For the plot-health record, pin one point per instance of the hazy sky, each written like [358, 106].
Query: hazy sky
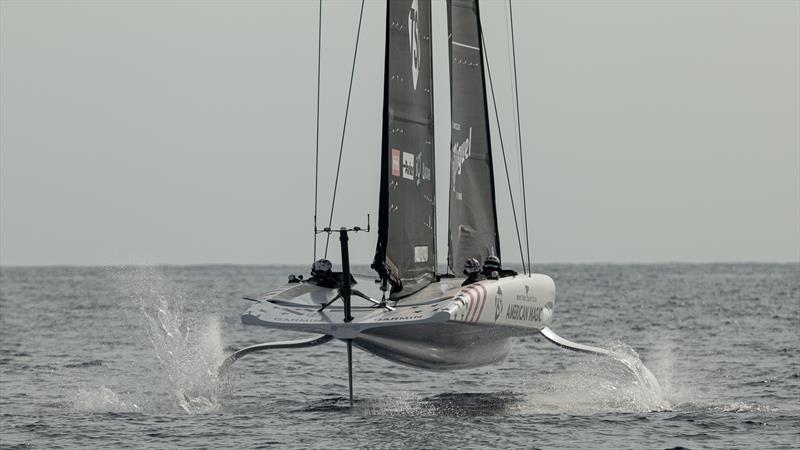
[183, 132]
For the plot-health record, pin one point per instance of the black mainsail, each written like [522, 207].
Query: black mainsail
[473, 213]
[406, 250]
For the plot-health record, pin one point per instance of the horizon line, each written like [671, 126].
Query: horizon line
[512, 264]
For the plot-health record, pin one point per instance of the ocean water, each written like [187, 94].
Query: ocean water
[126, 357]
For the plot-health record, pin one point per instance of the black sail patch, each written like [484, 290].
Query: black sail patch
[473, 217]
[406, 250]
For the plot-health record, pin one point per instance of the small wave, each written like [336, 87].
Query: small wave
[694, 408]
[406, 404]
[93, 363]
[331, 404]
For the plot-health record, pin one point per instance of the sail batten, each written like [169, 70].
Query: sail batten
[406, 251]
[472, 231]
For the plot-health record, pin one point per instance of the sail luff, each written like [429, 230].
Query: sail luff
[488, 132]
[383, 200]
[433, 146]
[472, 229]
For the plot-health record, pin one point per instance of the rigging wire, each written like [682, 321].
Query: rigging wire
[316, 155]
[502, 148]
[519, 131]
[344, 128]
[510, 74]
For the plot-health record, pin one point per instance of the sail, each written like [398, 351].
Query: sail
[406, 250]
[473, 214]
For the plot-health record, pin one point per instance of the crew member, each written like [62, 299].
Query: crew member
[295, 278]
[491, 267]
[321, 274]
[472, 269]
[493, 270]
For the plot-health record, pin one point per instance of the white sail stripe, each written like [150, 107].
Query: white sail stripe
[466, 46]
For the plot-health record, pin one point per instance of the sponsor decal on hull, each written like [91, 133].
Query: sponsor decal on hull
[527, 296]
[498, 304]
[283, 316]
[523, 308]
[473, 298]
[396, 318]
[526, 313]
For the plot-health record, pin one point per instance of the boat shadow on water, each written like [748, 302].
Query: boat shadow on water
[450, 404]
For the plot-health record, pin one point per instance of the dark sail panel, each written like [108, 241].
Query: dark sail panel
[473, 215]
[406, 251]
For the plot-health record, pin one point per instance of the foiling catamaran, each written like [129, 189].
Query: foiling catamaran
[411, 315]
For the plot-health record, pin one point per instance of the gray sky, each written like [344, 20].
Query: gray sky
[183, 132]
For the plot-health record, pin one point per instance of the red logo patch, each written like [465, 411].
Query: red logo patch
[395, 162]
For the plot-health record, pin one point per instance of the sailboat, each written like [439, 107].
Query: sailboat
[408, 313]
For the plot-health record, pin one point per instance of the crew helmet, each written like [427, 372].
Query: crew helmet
[492, 263]
[471, 266]
[321, 265]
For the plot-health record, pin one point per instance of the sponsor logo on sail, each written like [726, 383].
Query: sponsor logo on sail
[422, 171]
[408, 165]
[461, 151]
[395, 162]
[421, 254]
[413, 41]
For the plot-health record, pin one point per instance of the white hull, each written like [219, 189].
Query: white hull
[443, 346]
[444, 326]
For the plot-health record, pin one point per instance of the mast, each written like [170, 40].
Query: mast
[472, 231]
[405, 255]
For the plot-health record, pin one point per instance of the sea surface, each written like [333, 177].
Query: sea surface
[126, 357]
